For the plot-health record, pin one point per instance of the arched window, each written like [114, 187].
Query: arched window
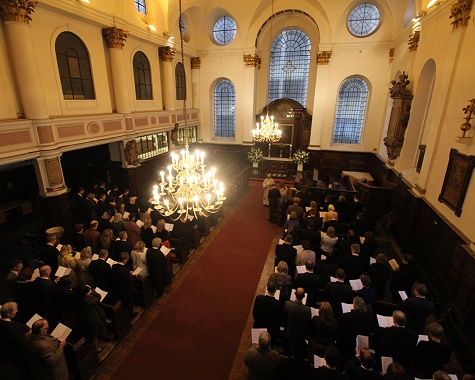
[350, 111]
[143, 81]
[141, 6]
[224, 109]
[180, 81]
[289, 66]
[74, 67]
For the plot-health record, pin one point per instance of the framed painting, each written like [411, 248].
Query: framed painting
[287, 134]
[456, 181]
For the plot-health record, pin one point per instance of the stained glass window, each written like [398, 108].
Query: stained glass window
[350, 111]
[289, 66]
[224, 109]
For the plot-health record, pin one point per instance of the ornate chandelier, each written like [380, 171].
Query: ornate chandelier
[192, 190]
[267, 130]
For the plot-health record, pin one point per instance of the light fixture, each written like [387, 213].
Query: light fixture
[267, 130]
[151, 27]
[469, 111]
[192, 191]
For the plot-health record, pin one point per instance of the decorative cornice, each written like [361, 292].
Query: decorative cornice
[251, 60]
[323, 57]
[391, 55]
[166, 53]
[115, 37]
[195, 62]
[460, 12]
[413, 41]
[17, 10]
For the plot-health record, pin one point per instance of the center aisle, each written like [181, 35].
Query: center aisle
[198, 331]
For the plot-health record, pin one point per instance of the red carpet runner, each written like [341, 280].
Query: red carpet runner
[197, 333]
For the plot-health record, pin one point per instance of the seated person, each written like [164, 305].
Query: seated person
[360, 367]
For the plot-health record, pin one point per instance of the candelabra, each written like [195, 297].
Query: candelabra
[267, 130]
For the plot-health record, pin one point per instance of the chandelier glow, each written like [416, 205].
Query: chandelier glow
[267, 130]
[191, 190]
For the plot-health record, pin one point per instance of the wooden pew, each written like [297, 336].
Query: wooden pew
[118, 320]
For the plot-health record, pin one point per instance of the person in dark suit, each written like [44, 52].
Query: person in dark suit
[354, 265]
[357, 322]
[297, 318]
[312, 233]
[360, 225]
[297, 366]
[360, 367]
[329, 371]
[183, 231]
[343, 247]
[333, 222]
[23, 290]
[121, 245]
[132, 207]
[45, 295]
[273, 196]
[286, 252]
[15, 269]
[310, 282]
[123, 283]
[101, 205]
[338, 292]
[397, 342]
[268, 311]
[354, 208]
[430, 356]
[379, 273]
[49, 253]
[100, 271]
[11, 333]
[312, 215]
[404, 277]
[368, 293]
[158, 267]
[417, 308]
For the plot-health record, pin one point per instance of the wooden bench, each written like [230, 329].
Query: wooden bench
[82, 359]
[5, 208]
[118, 320]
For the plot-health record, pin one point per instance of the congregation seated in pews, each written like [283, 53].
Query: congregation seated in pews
[327, 312]
[89, 281]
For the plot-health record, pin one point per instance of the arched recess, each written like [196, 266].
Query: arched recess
[419, 116]
[409, 12]
[270, 29]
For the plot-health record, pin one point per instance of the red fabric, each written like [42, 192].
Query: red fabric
[198, 331]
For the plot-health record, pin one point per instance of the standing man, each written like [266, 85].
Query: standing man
[123, 283]
[273, 197]
[158, 268]
[266, 185]
[45, 353]
[261, 360]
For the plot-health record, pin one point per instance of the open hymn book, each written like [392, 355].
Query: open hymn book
[61, 332]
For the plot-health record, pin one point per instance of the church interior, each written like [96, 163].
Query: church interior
[377, 94]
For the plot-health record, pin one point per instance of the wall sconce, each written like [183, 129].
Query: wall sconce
[419, 16]
[150, 27]
[84, 1]
[469, 110]
[434, 2]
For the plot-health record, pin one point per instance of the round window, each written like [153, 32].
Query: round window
[224, 30]
[363, 20]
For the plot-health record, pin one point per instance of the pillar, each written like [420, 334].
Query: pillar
[251, 63]
[115, 39]
[166, 54]
[16, 17]
[195, 82]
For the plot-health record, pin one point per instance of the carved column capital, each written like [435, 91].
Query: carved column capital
[195, 63]
[413, 41]
[166, 53]
[251, 60]
[460, 12]
[115, 37]
[17, 10]
[323, 57]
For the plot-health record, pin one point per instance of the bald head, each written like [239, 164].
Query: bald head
[45, 271]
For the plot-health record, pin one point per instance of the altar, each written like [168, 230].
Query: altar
[278, 166]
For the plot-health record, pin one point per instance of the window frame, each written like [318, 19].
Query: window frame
[224, 130]
[180, 81]
[362, 21]
[224, 41]
[276, 80]
[77, 82]
[141, 74]
[360, 117]
[141, 5]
